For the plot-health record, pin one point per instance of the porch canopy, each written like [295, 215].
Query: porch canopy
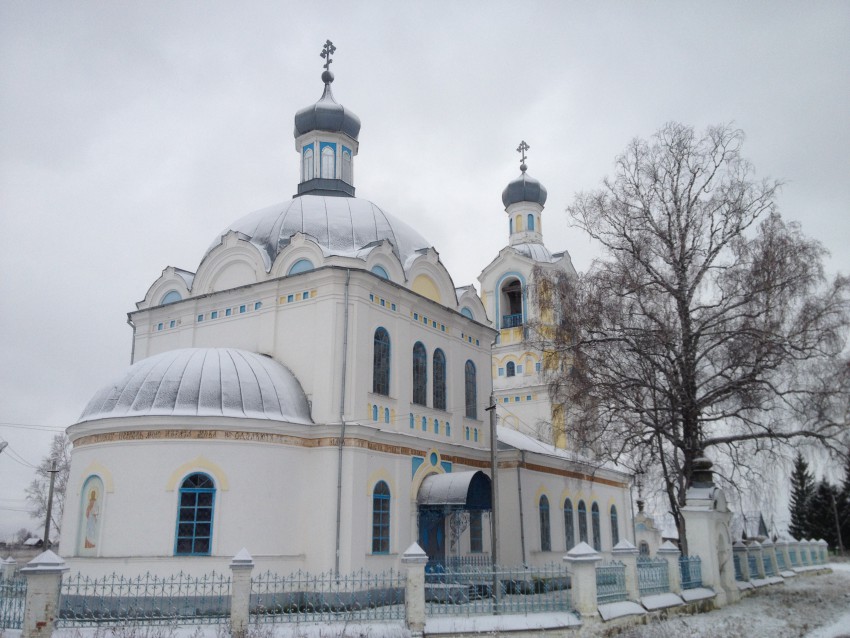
[456, 491]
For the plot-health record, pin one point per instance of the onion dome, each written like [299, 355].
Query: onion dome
[524, 189]
[205, 382]
[327, 114]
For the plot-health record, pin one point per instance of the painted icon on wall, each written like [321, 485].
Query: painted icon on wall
[91, 516]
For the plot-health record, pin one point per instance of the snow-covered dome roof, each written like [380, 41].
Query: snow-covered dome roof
[340, 225]
[535, 251]
[203, 382]
[327, 115]
[524, 189]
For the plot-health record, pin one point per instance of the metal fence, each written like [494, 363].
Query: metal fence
[305, 597]
[611, 583]
[175, 600]
[768, 565]
[780, 561]
[792, 553]
[471, 591]
[804, 556]
[739, 574]
[653, 576]
[690, 567]
[751, 563]
[13, 594]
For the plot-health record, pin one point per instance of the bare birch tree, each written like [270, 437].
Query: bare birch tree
[38, 490]
[708, 326]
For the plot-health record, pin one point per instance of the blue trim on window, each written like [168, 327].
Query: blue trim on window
[195, 509]
[420, 374]
[381, 362]
[380, 271]
[172, 296]
[302, 265]
[545, 527]
[530, 224]
[597, 532]
[381, 518]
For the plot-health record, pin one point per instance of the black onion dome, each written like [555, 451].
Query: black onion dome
[327, 115]
[524, 189]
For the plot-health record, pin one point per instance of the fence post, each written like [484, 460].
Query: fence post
[755, 549]
[740, 550]
[582, 561]
[9, 567]
[782, 548]
[414, 559]
[769, 552]
[627, 553]
[240, 592]
[44, 579]
[669, 552]
[813, 551]
[824, 551]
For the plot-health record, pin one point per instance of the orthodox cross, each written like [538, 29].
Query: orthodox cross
[522, 148]
[327, 51]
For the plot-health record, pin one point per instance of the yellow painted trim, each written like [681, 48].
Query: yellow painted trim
[541, 490]
[425, 286]
[100, 470]
[198, 464]
[379, 475]
[425, 470]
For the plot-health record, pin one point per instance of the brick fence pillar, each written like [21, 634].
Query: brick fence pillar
[44, 578]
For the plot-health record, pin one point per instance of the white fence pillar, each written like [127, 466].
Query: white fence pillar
[769, 554]
[782, 550]
[9, 566]
[740, 550]
[240, 592]
[755, 549]
[824, 551]
[581, 561]
[627, 554]
[414, 559]
[669, 552]
[44, 578]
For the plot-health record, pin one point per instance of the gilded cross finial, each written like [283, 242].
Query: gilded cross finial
[521, 149]
[327, 51]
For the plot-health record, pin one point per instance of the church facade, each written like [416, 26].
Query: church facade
[317, 390]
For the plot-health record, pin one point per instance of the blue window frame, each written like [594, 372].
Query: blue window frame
[582, 522]
[386, 415]
[381, 518]
[380, 271]
[569, 525]
[302, 265]
[545, 529]
[470, 390]
[228, 312]
[476, 545]
[466, 312]
[615, 532]
[420, 374]
[172, 296]
[214, 314]
[195, 516]
[381, 363]
[424, 424]
[258, 305]
[439, 365]
[597, 533]
[242, 309]
[510, 369]
[374, 412]
[530, 222]
[200, 317]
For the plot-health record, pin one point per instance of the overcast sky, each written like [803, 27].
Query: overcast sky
[132, 134]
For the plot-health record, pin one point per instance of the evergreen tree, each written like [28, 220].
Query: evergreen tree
[822, 513]
[802, 489]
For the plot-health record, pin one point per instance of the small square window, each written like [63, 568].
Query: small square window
[371, 297]
[242, 308]
[258, 305]
[305, 295]
[159, 326]
[416, 316]
[443, 327]
[172, 323]
[506, 400]
[516, 399]
[433, 324]
[393, 307]
[383, 303]
[200, 317]
[528, 398]
[290, 298]
[228, 312]
[537, 367]
[214, 314]
[501, 372]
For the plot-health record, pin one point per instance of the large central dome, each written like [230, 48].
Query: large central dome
[340, 225]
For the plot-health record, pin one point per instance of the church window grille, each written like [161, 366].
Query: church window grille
[470, 390]
[510, 369]
[172, 296]
[476, 545]
[381, 363]
[195, 516]
[328, 160]
[569, 525]
[530, 221]
[420, 374]
[302, 265]
[582, 522]
[439, 364]
[615, 532]
[308, 164]
[545, 531]
[597, 534]
[346, 166]
[381, 518]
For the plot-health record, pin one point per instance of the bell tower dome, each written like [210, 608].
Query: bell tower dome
[524, 199]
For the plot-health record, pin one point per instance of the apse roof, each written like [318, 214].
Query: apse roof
[203, 382]
[340, 225]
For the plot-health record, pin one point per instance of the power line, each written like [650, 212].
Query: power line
[32, 426]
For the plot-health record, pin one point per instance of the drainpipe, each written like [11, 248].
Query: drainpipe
[519, 493]
[341, 425]
[133, 343]
[494, 497]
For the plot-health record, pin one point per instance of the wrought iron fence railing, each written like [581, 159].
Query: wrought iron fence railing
[473, 591]
[768, 565]
[751, 563]
[690, 567]
[739, 574]
[13, 594]
[323, 597]
[611, 583]
[653, 576]
[181, 599]
[780, 561]
[792, 553]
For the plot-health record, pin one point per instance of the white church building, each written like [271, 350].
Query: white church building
[317, 391]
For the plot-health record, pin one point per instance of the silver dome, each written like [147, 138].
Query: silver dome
[340, 225]
[537, 252]
[203, 382]
[327, 115]
[524, 189]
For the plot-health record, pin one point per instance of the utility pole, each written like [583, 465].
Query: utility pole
[46, 540]
[837, 522]
[494, 483]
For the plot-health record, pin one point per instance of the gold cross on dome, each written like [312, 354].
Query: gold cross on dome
[327, 51]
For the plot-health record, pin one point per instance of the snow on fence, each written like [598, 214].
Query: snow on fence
[471, 591]
[691, 569]
[145, 600]
[611, 583]
[324, 597]
[653, 576]
[13, 594]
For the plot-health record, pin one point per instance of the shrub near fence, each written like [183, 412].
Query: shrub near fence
[148, 599]
[13, 593]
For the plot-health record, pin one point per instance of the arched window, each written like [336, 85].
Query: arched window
[346, 166]
[379, 270]
[510, 369]
[381, 363]
[511, 226]
[470, 390]
[195, 515]
[643, 548]
[545, 532]
[172, 296]
[420, 374]
[302, 265]
[386, 415]
[530, 221]
[569, 525]
[466, 312]
[439, 380]
[597, 534]
[518, 224]
[374, 412]
[615, 532]
[582, 522]
[328, 160]
[510, 302]
[381, 518]
[307, 164]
